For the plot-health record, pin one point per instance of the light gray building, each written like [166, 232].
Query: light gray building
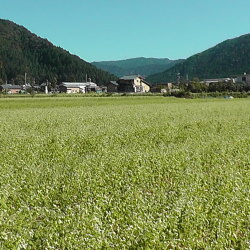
[78, 87]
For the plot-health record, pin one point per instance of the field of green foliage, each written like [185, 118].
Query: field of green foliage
[124, 173]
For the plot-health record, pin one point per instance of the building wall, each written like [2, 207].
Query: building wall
[73, 90]
[10, 91]
[14, 91]
[139, 82]
[111, 88]
[126, 86]
[145, 87]
[82, 90]
[244, 78]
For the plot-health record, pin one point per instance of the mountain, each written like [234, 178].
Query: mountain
[226, 59]
[141, 65]
[22, 51]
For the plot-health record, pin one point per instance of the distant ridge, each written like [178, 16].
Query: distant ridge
[140, 65]
[22, 51]
[226, 59]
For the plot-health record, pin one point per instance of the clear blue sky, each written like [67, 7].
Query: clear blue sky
[98, 30]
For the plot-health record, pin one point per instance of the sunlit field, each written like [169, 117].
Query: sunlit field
[124, 172]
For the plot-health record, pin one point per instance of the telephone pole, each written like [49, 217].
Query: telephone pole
[178, 79]
[25, 79]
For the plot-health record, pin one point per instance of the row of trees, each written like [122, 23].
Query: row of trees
[198, 87]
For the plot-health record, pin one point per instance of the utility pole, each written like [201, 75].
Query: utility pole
[25, 79]
[178, 79]
[187, 80]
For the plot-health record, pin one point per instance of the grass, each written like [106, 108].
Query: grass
[124, 172]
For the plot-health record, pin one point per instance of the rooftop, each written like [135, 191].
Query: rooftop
[10, 86]
[131, 77]
[78, 84]
[114, 83]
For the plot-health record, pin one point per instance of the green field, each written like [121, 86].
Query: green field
[124, 173]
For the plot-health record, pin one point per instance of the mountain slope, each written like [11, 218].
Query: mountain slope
[226, 59]
[22, 51]
[141, 65]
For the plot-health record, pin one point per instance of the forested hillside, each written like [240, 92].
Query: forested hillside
[22, 51]
[226, 59]
[141, 65]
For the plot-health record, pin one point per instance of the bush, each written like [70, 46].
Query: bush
[181, 94]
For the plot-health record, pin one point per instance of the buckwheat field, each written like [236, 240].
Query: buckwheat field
[124, 173]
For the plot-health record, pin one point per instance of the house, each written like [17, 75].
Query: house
[10, 89]
[112, 86]
[133, 83]
[78, 87]
[245, 78]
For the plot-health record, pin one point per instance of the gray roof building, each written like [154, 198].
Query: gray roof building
[10, 86]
